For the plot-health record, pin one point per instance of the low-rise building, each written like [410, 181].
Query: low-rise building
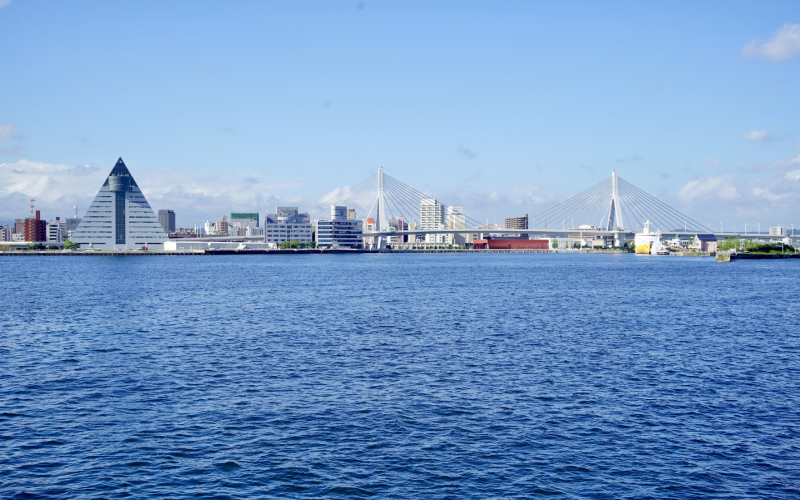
[287, 224]
[777, 231]
[705, 243]
[515, 244]
[177, 245]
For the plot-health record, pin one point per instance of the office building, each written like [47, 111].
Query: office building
[56, 230]
[241, 222]
[777, 231]
[119, 217]
[6, 232]
[432, 216]
[339, 231]
[167, 220]
[254, 232]
[287, 224]
[244, 219]
[19, 226]
[351, 214]
[517, 222]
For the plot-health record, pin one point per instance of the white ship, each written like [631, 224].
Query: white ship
[658, 247]
[644, 241]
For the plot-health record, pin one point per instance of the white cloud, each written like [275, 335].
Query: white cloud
[713, 162]
[758, 136]
[3, 3]
[709, 188]
[767, 196]
[784, 44]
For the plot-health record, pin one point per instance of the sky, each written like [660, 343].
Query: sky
[504, 108]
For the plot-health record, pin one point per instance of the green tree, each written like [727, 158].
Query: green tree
[555, 243]
[728, 244]
[68, 245]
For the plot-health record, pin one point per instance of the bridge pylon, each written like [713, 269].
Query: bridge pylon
[614, 216]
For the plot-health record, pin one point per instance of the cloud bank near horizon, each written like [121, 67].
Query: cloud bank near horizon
[767, 194]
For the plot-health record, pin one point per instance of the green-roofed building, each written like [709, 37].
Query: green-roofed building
[244, 219]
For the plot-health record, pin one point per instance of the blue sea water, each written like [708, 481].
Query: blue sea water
[399, 376]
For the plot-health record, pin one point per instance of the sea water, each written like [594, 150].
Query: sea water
[399, 376]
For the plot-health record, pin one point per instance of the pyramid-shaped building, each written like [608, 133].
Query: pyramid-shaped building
[120, 218]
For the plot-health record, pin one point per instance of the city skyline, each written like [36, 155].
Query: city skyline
[502, 110]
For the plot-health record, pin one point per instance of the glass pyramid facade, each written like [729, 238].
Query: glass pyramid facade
[120, 218]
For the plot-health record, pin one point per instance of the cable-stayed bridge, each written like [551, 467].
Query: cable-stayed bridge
[613, 208]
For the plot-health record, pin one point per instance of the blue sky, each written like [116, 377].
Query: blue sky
[502, 107]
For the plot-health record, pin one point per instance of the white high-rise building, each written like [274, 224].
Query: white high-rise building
[432, 216]
[456, 220]
[119, 217]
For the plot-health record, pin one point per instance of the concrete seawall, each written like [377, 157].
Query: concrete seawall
[305, 251]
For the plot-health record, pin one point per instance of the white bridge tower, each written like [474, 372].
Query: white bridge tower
[614, 215]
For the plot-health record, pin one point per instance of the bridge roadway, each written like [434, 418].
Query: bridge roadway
[543, 232]
[568, 232]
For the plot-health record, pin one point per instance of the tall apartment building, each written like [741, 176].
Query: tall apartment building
[517, 222]
[222, 226]
[432, 216]
[35, 229]
[167, 220]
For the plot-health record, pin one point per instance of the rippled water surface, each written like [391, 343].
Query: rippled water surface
[399, 376]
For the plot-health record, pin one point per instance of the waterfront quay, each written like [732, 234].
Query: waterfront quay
[304, 251]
